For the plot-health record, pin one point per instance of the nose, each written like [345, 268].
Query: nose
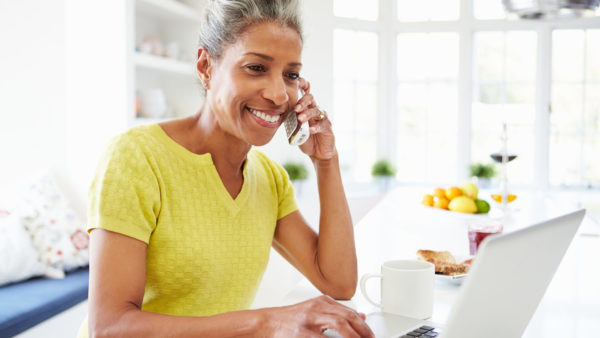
[276, 91]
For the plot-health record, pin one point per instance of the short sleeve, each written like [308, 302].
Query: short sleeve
[124, 196]
[285, 192]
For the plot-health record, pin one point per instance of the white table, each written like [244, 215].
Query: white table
[398, 226]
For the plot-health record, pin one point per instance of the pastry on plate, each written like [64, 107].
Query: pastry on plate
[444, 262]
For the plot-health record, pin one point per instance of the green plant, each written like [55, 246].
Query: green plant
[482, 170]
[383, 168]
[296, 171]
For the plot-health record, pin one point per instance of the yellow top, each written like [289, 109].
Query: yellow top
[206, 251]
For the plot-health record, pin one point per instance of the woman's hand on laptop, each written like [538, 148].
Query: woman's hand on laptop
[313, 317]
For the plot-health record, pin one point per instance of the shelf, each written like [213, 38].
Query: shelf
[170, 10]
[163, 64]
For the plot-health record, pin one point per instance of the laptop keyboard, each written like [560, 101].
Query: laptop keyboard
[423, 332]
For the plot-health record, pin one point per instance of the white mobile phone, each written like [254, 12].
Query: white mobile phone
[297, 133]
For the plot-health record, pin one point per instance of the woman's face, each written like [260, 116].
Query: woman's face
[254, 84]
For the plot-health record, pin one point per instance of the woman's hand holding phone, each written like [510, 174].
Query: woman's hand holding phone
[321, 143]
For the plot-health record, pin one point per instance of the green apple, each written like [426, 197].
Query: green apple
[470, 190]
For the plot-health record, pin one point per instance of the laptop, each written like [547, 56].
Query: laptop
[506, 282]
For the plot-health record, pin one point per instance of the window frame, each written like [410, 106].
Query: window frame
[388, 27]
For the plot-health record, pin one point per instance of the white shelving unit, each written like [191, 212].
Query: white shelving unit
[168, 10]
[163, 64]
[162, 24]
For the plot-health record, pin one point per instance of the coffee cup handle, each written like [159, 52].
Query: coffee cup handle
[363, 284]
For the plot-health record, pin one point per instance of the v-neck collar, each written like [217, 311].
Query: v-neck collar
[233, 204]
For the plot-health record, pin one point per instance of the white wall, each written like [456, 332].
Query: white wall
[62, 87]
[96, 95]
[33, 115]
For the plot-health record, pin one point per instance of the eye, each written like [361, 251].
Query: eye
[256, 68]
[293, 76]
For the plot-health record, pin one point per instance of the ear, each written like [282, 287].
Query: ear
[204, 66]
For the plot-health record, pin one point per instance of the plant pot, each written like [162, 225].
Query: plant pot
[482, 182]
[298, 186]
[384, 183]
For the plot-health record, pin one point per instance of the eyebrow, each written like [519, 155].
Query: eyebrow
[268, 58]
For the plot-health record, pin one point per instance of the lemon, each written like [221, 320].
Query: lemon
[470, 190]
[463, 204]
[483, 207]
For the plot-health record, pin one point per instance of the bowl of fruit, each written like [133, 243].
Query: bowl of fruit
[463, 199]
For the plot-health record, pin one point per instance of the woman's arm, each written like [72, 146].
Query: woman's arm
[329, 259]
[117, 279]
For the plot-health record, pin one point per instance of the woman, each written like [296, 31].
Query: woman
[182, 214]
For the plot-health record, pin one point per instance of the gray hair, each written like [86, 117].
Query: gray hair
[224, 20]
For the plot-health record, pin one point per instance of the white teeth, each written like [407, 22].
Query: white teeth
[266, 117]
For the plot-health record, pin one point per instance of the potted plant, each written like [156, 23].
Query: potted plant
[383, 171]
[482, 173]
[297, 173]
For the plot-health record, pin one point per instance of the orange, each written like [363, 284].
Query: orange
[427, 200]
[498, 198]
[453, 192]
[441, 203]
[439, 192]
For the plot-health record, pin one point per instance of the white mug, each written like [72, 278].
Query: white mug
[406, 288]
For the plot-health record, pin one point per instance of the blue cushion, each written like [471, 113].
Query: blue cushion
[25, 304]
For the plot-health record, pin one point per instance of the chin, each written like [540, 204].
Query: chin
[260, 140]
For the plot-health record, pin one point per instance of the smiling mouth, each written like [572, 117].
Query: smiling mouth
[270, 118]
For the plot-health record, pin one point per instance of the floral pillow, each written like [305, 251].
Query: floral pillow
[18, 256]
[56, 231]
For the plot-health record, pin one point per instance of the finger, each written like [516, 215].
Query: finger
[338, 324]
[311, 114]
[352, 317]
[356, 321]
[304, 85]
[362, 315]
[305, 102]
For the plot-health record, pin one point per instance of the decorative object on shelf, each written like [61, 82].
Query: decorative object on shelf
[482, 173]
[152, 103]
[383, 172]
[151, 45]
[172, 50]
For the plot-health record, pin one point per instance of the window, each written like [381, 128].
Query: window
[429, 84]
[355, 99]
[575, 117]
[427, 10]
[488, 10]
[504, 91]
[356, 9]
[427, 71]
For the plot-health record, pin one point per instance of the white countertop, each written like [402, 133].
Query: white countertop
[399, 225]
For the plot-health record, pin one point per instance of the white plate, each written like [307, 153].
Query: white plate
[456, 279]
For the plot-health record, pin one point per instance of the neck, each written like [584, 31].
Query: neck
[227, 151]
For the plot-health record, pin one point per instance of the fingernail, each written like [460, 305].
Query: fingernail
[302, 117]
[297, 108]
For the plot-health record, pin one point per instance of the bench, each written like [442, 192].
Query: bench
[28, 303]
